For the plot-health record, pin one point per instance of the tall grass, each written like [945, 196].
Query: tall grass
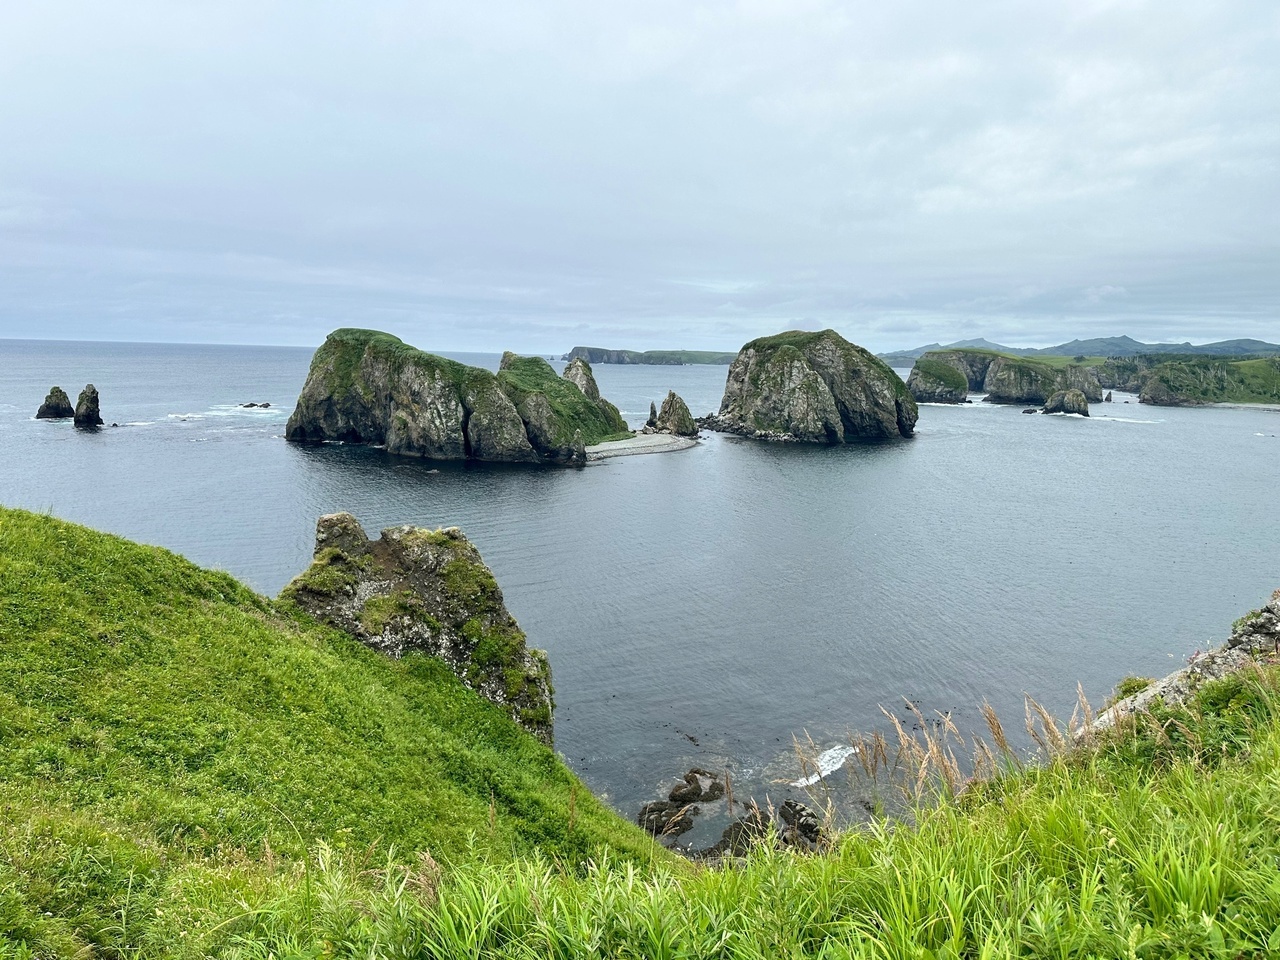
[1160, 840]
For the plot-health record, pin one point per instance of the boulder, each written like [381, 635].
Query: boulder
[1258, 631]
[87, 416]
[427, 591]
[1067, 401]
[937, 381]
[675, 417]
[56, 406]
[816, 388]
[369, 387]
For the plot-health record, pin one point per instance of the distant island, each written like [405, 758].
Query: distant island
[666, 358]
[1098, 347]
[1159, 379]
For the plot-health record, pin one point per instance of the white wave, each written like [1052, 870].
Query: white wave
[1127, 420]
[829, 761]
[186, 416]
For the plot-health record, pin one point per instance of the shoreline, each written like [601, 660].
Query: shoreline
[641, 443]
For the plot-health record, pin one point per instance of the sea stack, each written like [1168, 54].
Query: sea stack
[370, 387]
[675, 417]
[56, 406]
[427, 591]
[87, 416]
[813, 388]
[1067, 401]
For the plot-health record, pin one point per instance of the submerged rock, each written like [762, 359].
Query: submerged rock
[370, 387]
[675, 417]
[1067, 401]
[87, 416]
[56, 406]
[427, 591]
[813, 387]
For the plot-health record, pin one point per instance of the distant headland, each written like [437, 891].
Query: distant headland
[667, 358]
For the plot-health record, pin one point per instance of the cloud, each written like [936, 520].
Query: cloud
[702, 172]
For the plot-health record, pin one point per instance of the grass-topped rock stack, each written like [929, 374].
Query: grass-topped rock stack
[370, 387]
[427, 591]
[816, 388]
[933, 381]
[578, 372]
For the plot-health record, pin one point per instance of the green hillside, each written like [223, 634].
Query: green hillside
[171, 741]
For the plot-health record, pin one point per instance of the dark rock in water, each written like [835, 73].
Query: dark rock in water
[1107, 398]
[248, 406]
[653, 416]
[87, 416]
[427, 591]
[687, 791]
[799, 829]
[803, 829]
[56, 406]
[663, 818]
[1031, 410]
[1067, 401]
[675, 417]
[815, 388]
[264, 405]
[369, 387]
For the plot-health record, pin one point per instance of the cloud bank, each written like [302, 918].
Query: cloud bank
[532, 176]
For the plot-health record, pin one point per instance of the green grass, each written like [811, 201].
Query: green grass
[1162, 841]
[347, 347]
[522, 376]
[944, 373]
[170, 741]
[1216, 380]
[187, 772]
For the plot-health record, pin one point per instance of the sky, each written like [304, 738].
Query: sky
[534, 176]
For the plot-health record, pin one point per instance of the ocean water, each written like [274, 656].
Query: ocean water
[712, 606]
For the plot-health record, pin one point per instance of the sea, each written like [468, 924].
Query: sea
[738, 606]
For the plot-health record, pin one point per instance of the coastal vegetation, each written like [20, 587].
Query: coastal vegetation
[188, 769]
[365, 386]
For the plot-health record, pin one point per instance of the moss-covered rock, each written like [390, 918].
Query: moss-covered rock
[426, 590]
[87, 415]
[936, 381]
[370, 387]
[813, 387]
[56, 406]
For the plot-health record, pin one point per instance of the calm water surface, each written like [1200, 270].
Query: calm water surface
[708, 606]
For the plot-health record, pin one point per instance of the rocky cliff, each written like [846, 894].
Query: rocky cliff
[370, 387]
[426, 591]
[578, 372]
[1067, 401]
[813, 387]
[87, 414]
[935, 381]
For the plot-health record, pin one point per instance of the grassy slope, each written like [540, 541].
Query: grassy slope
[944, 373]
[169, 740]
[1161, 842]
[573, 411]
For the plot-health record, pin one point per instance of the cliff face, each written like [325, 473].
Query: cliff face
[578, 372]
[1020, 380]
[813, 387]
[675, 417]
[369, 387]
[427, 591]
[1067, 401]
[936, 381]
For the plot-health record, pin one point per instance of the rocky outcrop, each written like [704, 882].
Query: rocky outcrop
[675, 418]
[937, 381]
[1075, 377]
[971, 364]
[56, 406]
[87, 415]
[652, 422]
[1015, 380]
[1067, 401]
[1255, 634]
[427, 591]
[815, 388]
[1107, 398]
[578, 372]
[370, 387]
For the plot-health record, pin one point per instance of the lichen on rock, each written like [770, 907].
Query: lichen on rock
[816, 388]
[427, 591]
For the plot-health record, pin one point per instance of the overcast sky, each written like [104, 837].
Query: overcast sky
[535, 175]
